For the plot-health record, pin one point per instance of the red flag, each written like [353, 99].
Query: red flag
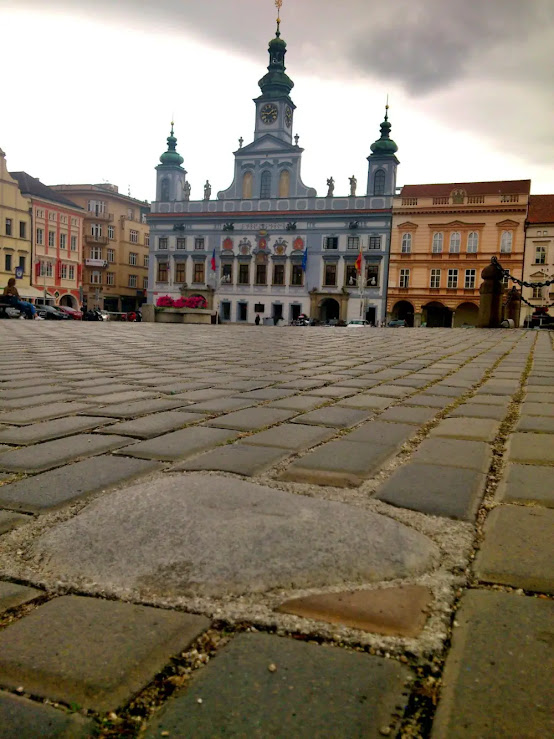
[213, 260]
[359, 261]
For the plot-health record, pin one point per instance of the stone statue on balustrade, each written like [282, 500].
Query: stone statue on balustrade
[207, 190]
[186, 191]
[353, 184]
[331, 187]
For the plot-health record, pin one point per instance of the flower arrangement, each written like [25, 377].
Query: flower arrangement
[196, 301]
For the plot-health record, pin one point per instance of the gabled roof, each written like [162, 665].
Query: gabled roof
[33, 187]
[541, 209]
[502, 187]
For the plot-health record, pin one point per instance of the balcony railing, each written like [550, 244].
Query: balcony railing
[94, 239]
[91, 215]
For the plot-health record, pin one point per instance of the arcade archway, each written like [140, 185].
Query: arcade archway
[69, 301]
[466, 315]
[403, 311]
[437, 315]
[329, 310]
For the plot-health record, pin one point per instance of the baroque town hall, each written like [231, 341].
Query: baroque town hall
[280, 250]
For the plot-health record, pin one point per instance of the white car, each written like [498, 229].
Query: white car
[357, 323]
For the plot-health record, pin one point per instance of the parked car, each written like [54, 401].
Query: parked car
[397, 324]
[50, 313]
[357, 322]
[77, 315]
[7, 310]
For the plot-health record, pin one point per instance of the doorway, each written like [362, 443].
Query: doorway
[329, 310]
[277, 312]
[371, 314]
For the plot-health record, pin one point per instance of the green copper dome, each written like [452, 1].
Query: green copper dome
[385, 146]
[276, 83]
[171, 156]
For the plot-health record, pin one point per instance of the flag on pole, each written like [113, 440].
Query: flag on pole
[359, 261]
[305, 259]
[213, 260]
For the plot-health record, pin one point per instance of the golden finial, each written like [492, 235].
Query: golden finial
[278, 5]
[387, 109]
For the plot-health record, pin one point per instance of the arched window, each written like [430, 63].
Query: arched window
[265, 189]
[379, 182]
[438, 239]
[455, 242]
[406, 243]
[247, 185]
[506, 242]
[164, 195]
[472, 242]
[284, 184]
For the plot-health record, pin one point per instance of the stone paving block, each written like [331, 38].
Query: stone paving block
[333, 416]
[292, 436]
[10, 520]
[394, 611]
[128, 396]
[537, 424]
[478, 410]
[473, 455]
[204, 529]
[236, 695]
[298, 403]
[435, 489]
[138, 408]
[105, 389]
[24, 719]
[179, 444]
[56, 429]
[41, 457]
[380, 432]
[392, 391]
[484, 399]
[24, 392]
[221, 405]
[429, 401]
[525, 483]
[93, 652]
[367, 401]
[498, 676]
[527, 448]
[269, 393]
[33, 400]
[493, 387]
[238, 458]
[52, 489]
[196, 396]
[44, 412]
[12, 595]
[412, 381]
[518, 548]
[251, 419]
[146, 427]
[339, 463]
[478, 429]
[537, 409]
[407, 414]
[448, 391]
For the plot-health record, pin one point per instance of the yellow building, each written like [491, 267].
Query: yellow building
[116, 243]
[15, 234]
[442, 237]
[539, 254]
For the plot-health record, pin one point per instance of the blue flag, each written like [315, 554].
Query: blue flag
[305, 259]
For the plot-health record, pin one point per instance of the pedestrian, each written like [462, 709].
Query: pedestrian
[10, 292]
[257, 321]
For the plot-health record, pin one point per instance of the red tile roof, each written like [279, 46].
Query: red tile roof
[503, 187]
[541, 209]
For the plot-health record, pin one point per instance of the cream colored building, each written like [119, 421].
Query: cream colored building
[539, 253]
[15, 233]
[116, 244]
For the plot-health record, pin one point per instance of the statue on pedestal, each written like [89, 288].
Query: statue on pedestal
[331, 186]
[207, 190]
[353, 184]
[186, 191]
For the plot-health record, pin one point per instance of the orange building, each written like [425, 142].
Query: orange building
[442, 237]
[57, 238]
[539, 254]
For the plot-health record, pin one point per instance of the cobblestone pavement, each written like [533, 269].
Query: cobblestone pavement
[288, 532]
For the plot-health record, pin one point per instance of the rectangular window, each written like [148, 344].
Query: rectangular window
[162, 271]
[98, 207]
[74, 222]
[297, 275]
[63, 219]
[51, 216]
[180, 272]
[452, 279]
[133, 237]
[199, 244]
[146, 239]
[372, 275]
[331, 242]
[435, 278]
[181, 244]
[261, 274]
[132, 280]
[353, 242]
[455, 242]
[73, 243]
[110, 255]
[110, 278]
[537, 293]
[51, 238]
[469, 283]
[8, 226]
[404, 278]
[330, 277]
[71, 272]
[130, 214]
[145, 283]
[22, 230]
[226, 274]
[40, 213]
[374, 242]
[406, 247]
[8, 262]
[146, 261]
[96, 252]
[259, 308]
[63, 241]
[133, 259]
[22, 263]
[96, 278]
[540, 255]
[438, 239]
[49, 269]
[244, 274]
[198, 275]
[279, 274]
[96, 230]
[111, 232]
[63, 271]
[40, 236]
[351, 275]
[162, 243]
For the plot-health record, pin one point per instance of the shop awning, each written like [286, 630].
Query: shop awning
[33, 292]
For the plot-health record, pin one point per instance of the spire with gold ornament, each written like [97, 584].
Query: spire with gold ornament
[276, 83]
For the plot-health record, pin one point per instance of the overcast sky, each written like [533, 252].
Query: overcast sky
[90, 87]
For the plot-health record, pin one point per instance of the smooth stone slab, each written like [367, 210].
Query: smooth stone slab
[32, 400]
[292, 436]
[238, 458]
[41, 457]
[537, 409]
[527, 448]
[518, 549]
[536, 424]
[203, 530]
[498, 676]
[156, 424]
[331, 392]
[394, 611]
[24, 719]
[270, 393]
[221, 405]
[367, 401]
[339, 463]
[407, 414]
[478, 410]
[109, 387]
[380, 432]
[489, 400]
[298, 403]
[333, 417]
[435, 489]
[12, 595]
[64, 484]
[9, 520]
[303, 698]
[179, 444]
[129, 396]
[525, 483]
[93, 652]
[44, 412]
[56, 429]
[392, 391]
[477, 429]
[138, 408]
[24, 392]
[429, 401]
[474, 455]
[251, 419]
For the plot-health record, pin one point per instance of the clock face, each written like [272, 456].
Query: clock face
[288, 116]
[268, 113]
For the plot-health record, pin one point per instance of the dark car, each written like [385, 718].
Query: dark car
[397, 324]
[50, 313]
[72, 312]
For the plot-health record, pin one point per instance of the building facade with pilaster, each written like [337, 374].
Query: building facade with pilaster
[539, 254]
